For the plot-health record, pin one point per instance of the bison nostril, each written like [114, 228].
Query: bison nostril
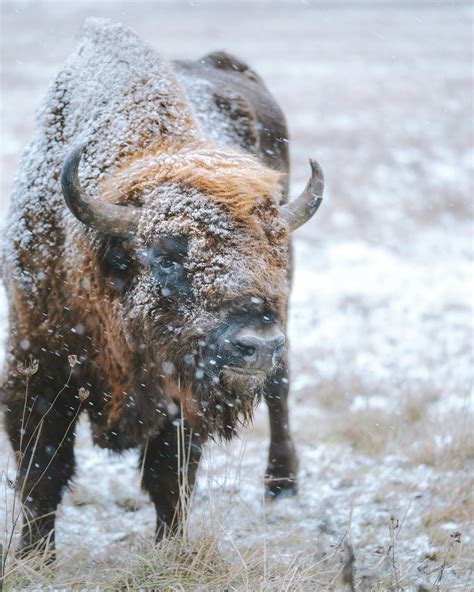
[278, 353]
[246, 351]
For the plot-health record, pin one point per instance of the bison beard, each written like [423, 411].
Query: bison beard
[163, 265]
[214, 399]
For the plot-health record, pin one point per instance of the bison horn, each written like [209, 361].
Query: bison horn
[108, 218]
[301, 209]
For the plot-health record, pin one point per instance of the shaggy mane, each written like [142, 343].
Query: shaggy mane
[235, 180]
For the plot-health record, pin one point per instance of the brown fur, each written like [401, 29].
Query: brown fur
[235, 180]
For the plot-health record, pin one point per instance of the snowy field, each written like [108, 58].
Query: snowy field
[381, 325]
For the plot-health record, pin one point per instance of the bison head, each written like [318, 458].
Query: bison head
[192, 256]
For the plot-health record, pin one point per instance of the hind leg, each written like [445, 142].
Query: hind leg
[281, 474]
[43, 443]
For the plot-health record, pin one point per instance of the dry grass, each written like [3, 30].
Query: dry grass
[200, 563]
[414, 428]
[367, 432]
[452, 503]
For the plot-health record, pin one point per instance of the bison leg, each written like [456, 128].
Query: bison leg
[170, 461]
[280, 478]
[43, 441]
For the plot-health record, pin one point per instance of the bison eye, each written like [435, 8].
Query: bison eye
[166, 262]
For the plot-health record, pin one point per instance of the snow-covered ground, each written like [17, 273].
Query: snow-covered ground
[381, 315]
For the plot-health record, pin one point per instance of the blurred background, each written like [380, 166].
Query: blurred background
[380, 92]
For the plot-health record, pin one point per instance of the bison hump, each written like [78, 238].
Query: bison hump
[225, 61]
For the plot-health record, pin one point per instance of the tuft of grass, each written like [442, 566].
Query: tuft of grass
[442, 447]
[456, 506]
[184, 565]
[180, 563]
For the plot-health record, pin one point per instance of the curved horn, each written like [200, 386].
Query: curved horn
[301, 209]
[108, 218]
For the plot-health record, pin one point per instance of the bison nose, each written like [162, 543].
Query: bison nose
[259, 352]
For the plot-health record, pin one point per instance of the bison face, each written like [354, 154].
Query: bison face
[249, 341]
[200, 299]
[206, 293]
[197, 274]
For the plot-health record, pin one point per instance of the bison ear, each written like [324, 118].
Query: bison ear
[109, 219]
[301, 209]
[116, 261]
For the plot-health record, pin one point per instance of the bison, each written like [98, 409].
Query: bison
[147, 265]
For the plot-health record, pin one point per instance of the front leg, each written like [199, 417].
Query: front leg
[280, 478]
[170, 462]
[43, 440]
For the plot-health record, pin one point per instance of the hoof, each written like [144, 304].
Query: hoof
[281, 489]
